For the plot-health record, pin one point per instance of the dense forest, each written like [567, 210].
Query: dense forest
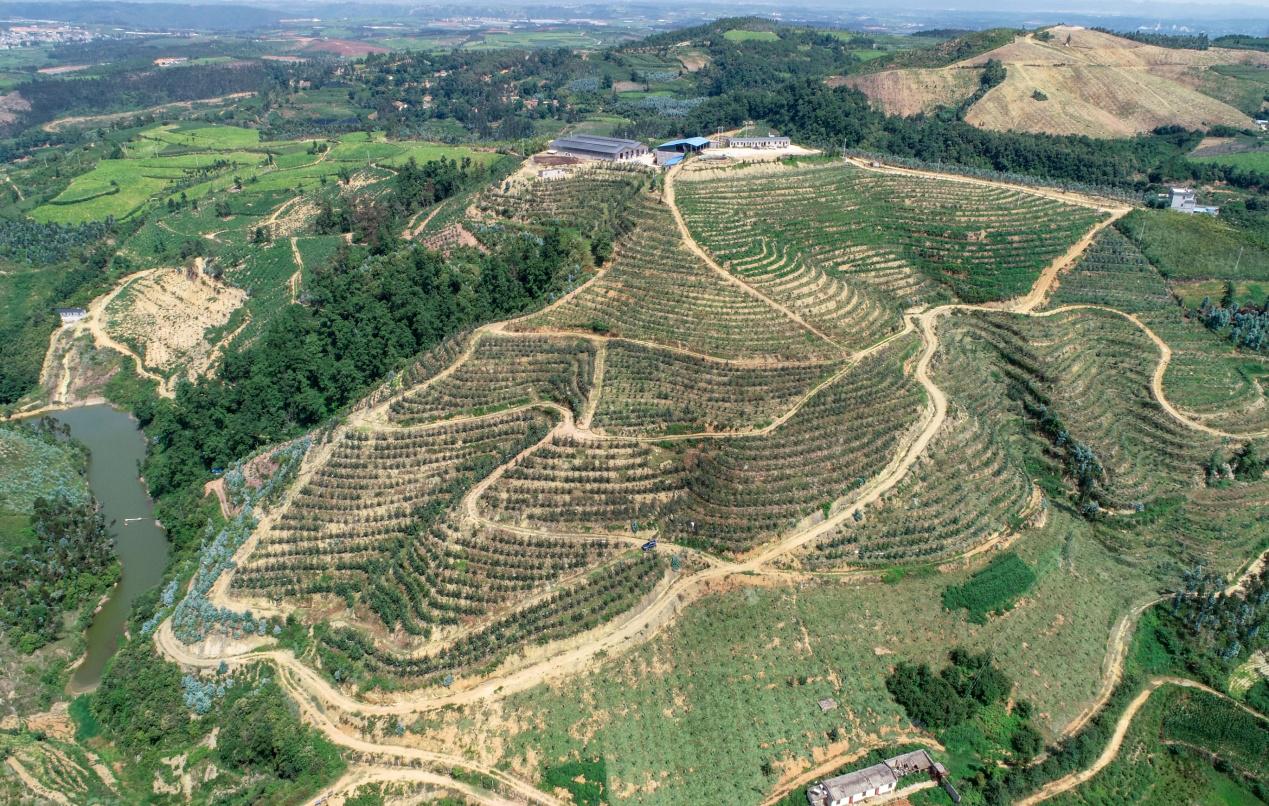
[70, 563]
[362, 321]
[126, 91]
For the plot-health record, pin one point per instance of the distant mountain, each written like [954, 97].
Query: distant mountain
[148, 16]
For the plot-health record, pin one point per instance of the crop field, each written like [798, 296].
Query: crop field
[589, 197]
[746, 665]
[1247, 160]
[745, 490]
[194, 160]
[1113, 272]
[1196, 246]
[649, 390]
[504, 372]
[657, 291]
[731, 471]
[573, 485]
[1207, 378]
[1091, 371]
[828, 232]
[965, 491]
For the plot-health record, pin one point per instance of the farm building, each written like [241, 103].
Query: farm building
[667, 159]
[593, 146]
[552, 173]
[854, 787]
[1184, 200]
[686, 145]
[71, 315]
[758, 141]
[879, 779]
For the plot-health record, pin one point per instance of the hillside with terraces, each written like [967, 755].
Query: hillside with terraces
[816, 373]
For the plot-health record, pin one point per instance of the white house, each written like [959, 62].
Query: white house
[71, 315]
[854, 787]
[1185, 200]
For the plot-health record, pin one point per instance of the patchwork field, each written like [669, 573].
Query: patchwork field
[182, 161]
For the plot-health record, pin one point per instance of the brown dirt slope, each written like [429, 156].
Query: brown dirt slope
[1097, 84]
[908, 92]
[168, 315]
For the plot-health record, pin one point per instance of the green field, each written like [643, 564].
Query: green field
[745, 668]
[195, 160]
[33, 466]
[1192, 292]
[1247, 160]
[742, 35]
[1164, 758]
[1196, 246]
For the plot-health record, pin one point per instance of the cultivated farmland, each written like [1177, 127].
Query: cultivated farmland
[769, 441]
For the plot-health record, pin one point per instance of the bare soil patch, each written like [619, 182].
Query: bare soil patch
[168, 315]
[1089, 83]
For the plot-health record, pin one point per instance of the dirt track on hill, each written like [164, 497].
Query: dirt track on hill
[1068, 782]
[315, 694]
[695, 248]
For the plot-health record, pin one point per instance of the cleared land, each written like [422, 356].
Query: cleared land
[1096, 84]
[165, 318]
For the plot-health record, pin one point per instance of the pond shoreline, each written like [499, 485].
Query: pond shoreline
[116, 447]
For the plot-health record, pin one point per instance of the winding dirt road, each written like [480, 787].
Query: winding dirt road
[695, 248]
[315, 694]
[1069, 782]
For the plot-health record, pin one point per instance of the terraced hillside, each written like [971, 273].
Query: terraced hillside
[496, 496]
[775, 391]
[849, 248]
[1081, 378]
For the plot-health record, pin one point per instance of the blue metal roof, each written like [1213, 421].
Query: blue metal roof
[675, 160]
[694, 142]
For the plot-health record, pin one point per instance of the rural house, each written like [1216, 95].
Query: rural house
[1185, 200]
[758, 141]
[879, 779]
[854, 787]
[71, 315]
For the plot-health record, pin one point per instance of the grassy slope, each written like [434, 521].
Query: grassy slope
[745, 667]
[1152, 769]
[1196, 246]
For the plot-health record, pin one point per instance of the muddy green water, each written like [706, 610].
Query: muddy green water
[117, 446]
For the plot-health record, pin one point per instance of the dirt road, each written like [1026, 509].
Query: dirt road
[315, 694]
[695, 248]
[363, 775]
[298, 277]
[95, 324]
[1111, 750]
